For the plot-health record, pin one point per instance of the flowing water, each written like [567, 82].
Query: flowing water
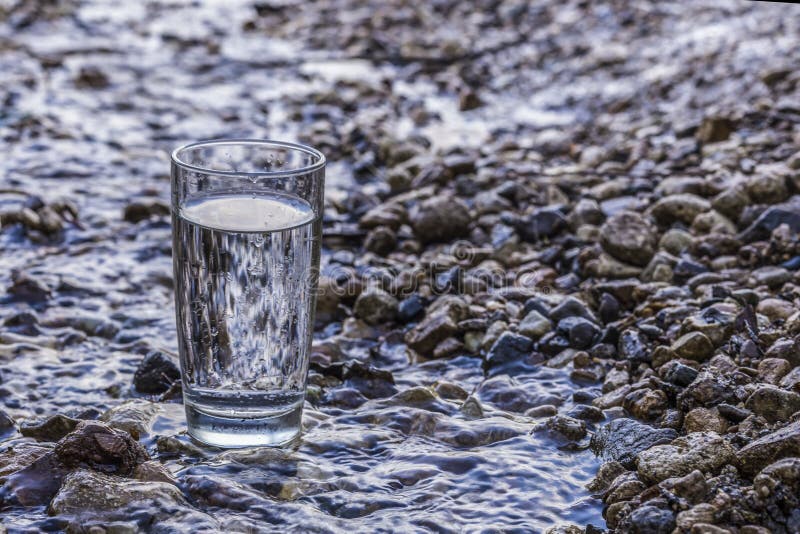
[245, 290]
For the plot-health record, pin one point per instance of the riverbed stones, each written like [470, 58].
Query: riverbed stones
[704, 451]
[134, 417]
[629, 237]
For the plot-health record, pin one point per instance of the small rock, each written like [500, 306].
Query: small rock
[542, 223]
[534, 325]
[609, 308]
[410, 308]
[715, 129]
[632, 346]
[376, 306]
[134, 417]
[142, 210]
[651, 520]
[381, 240]
[675, 241]
[693, 346]
[155, 373]
[52, 429]
[509, 347]
[787, 213]
[772, 403]
[692, 487]
[568, 427]
[431, 331]
[571, 307]
[646, 404]
[677, 373]
[91, 77]
[679, 208]
[775, 308]
[772, 370]
[705, 419]
[629, 237]
[440, 219]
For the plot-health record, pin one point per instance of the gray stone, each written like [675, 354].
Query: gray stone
[629, 237]
[704, 451]
[679, 208]
[89, 491]
[534, 325]
[509, 347]
[376, 306]
[622, 439]
[440, 219]
[134, 417]
[52, 429]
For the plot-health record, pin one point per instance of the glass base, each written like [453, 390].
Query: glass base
[230, 432]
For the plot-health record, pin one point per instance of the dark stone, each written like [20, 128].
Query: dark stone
[440, 219]
[571, 307]
[509, 347]
[381, 240]
[97, 446]
[632, 346]
[651, 520]
[586, 413]
[542, 223]
[52, 429]
[623, 439]
[552, 343]
[679, 374]
[142, 210]
[155, 374]
[609, 308]
[686, 269]
[787, 213]
[7, 425]
[410, 308]
[782, 443]
[733, 413]
[580, 332]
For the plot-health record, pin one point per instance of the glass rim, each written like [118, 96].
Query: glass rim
[317, 165]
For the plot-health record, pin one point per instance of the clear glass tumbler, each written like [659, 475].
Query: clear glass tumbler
[246, 226]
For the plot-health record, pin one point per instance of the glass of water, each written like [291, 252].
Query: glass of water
[246, 225]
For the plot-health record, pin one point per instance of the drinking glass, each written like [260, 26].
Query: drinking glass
[246, 225]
